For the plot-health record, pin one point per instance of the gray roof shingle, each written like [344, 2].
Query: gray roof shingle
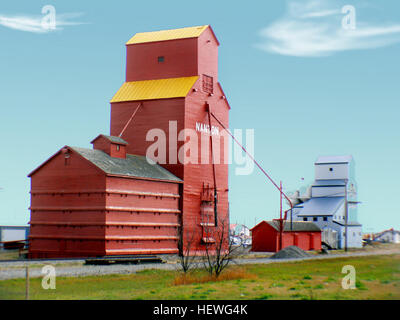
[111, 138]
[132, 166]
[296, 226]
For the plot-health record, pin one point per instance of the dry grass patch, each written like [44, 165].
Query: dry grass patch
[197, 277]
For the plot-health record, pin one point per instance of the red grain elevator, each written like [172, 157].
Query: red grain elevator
[171, 84]
[164, 164]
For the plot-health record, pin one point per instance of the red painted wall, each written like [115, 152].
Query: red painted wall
[208, 54]
[195, 175]
[152, 227]
[180, 59]
[67, 209]
[264, 238]
[153, 114]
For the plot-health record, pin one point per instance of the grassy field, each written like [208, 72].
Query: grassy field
[378, 277]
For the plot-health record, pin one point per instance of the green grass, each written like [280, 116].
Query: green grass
[378, 277]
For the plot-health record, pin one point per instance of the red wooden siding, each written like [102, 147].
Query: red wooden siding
[143, 216]
[180, 60]
[67, 209]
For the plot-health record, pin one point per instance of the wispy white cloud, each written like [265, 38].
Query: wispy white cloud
[314, 28]
[33, 23]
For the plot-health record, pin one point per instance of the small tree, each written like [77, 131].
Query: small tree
[186, 242]
[221, 252]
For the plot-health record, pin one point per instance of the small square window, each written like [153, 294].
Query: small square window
[325, 218]
[315, 219]
[305, 219]
[160, 59]
[330, 169]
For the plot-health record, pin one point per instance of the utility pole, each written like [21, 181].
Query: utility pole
[26, 282]
[280, 193]
[280, 220]
[346, 215]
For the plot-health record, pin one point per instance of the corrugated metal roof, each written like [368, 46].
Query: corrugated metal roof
[333, 182]
[324, 206]
[296, 226]
[132, 166]
[333, 159]
[155, 89]
[164, 35]
[350, 224]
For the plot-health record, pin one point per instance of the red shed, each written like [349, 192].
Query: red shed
[305, 235]
[102, 201]
[111, 200]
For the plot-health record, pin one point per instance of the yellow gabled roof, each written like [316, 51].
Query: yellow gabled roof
[155, 89]
[163, 35]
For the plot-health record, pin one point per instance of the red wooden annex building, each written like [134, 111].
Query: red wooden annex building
[110, 199]
[266, 236]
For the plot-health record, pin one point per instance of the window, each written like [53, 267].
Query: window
[117, 147]
[315, 219]
[160, 59]
[330, 169]
[305, 219]
[325, 218]
[208, 84]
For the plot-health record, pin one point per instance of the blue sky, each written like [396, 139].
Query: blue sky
[287, 69]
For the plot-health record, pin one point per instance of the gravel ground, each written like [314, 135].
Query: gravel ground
[80, 270]
[76, 268]
[317, 257]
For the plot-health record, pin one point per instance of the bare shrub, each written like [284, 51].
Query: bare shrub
[221, 251]
[186, 244]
